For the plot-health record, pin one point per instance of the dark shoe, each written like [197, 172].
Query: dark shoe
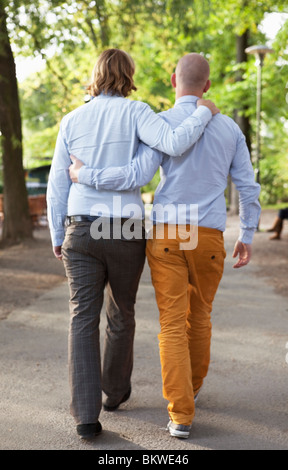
[115, 407]
[89, 431]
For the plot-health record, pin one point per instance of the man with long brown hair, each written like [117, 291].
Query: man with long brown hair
[98, 249]
[187, 262]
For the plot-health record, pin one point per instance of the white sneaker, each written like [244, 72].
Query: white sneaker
[178, 430]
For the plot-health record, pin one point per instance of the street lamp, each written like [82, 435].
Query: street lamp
[260, 53]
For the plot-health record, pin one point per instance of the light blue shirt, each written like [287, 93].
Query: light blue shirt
[106, 133]
[198, 177]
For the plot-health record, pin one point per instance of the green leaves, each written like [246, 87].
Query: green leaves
[69, 35]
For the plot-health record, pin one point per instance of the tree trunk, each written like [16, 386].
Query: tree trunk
[17, 221]
[103, 18]
[242, 121]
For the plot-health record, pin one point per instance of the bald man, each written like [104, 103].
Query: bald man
[186, 249]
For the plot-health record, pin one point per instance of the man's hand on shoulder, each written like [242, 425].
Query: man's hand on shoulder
[209, 104]
[245, 254]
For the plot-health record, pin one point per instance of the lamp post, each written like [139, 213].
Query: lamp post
[260, 53]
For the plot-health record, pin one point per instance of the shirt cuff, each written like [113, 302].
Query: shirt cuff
[246, 236]
[204, 114]
[57, 237]
[85, 175]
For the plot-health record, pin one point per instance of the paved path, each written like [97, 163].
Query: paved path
[243, 404]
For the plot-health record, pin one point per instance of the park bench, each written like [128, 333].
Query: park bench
[37, 207]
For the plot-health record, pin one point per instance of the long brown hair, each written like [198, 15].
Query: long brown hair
[113, 74]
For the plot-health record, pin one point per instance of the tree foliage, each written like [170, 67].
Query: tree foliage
[69, 35]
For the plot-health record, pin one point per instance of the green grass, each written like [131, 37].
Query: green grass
[276, 207]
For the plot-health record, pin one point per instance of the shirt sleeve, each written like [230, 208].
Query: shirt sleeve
[155, 132]
[58, 190]
[242, 175]
[135, 175]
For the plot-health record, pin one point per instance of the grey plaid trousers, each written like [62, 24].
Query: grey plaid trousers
[91, 265]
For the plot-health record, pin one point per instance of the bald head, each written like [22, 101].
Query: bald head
[192, 74]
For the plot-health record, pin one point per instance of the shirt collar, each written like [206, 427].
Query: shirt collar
[108, 95]
[187, 99]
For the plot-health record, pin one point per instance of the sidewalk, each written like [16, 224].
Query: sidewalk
[243, 404]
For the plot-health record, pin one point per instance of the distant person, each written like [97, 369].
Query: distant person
[278, 224]
[105, 132]
[186, 279]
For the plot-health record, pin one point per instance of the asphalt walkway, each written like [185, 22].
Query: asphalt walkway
[243, 404]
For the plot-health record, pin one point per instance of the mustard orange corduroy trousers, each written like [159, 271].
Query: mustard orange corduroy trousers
[185, 282]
